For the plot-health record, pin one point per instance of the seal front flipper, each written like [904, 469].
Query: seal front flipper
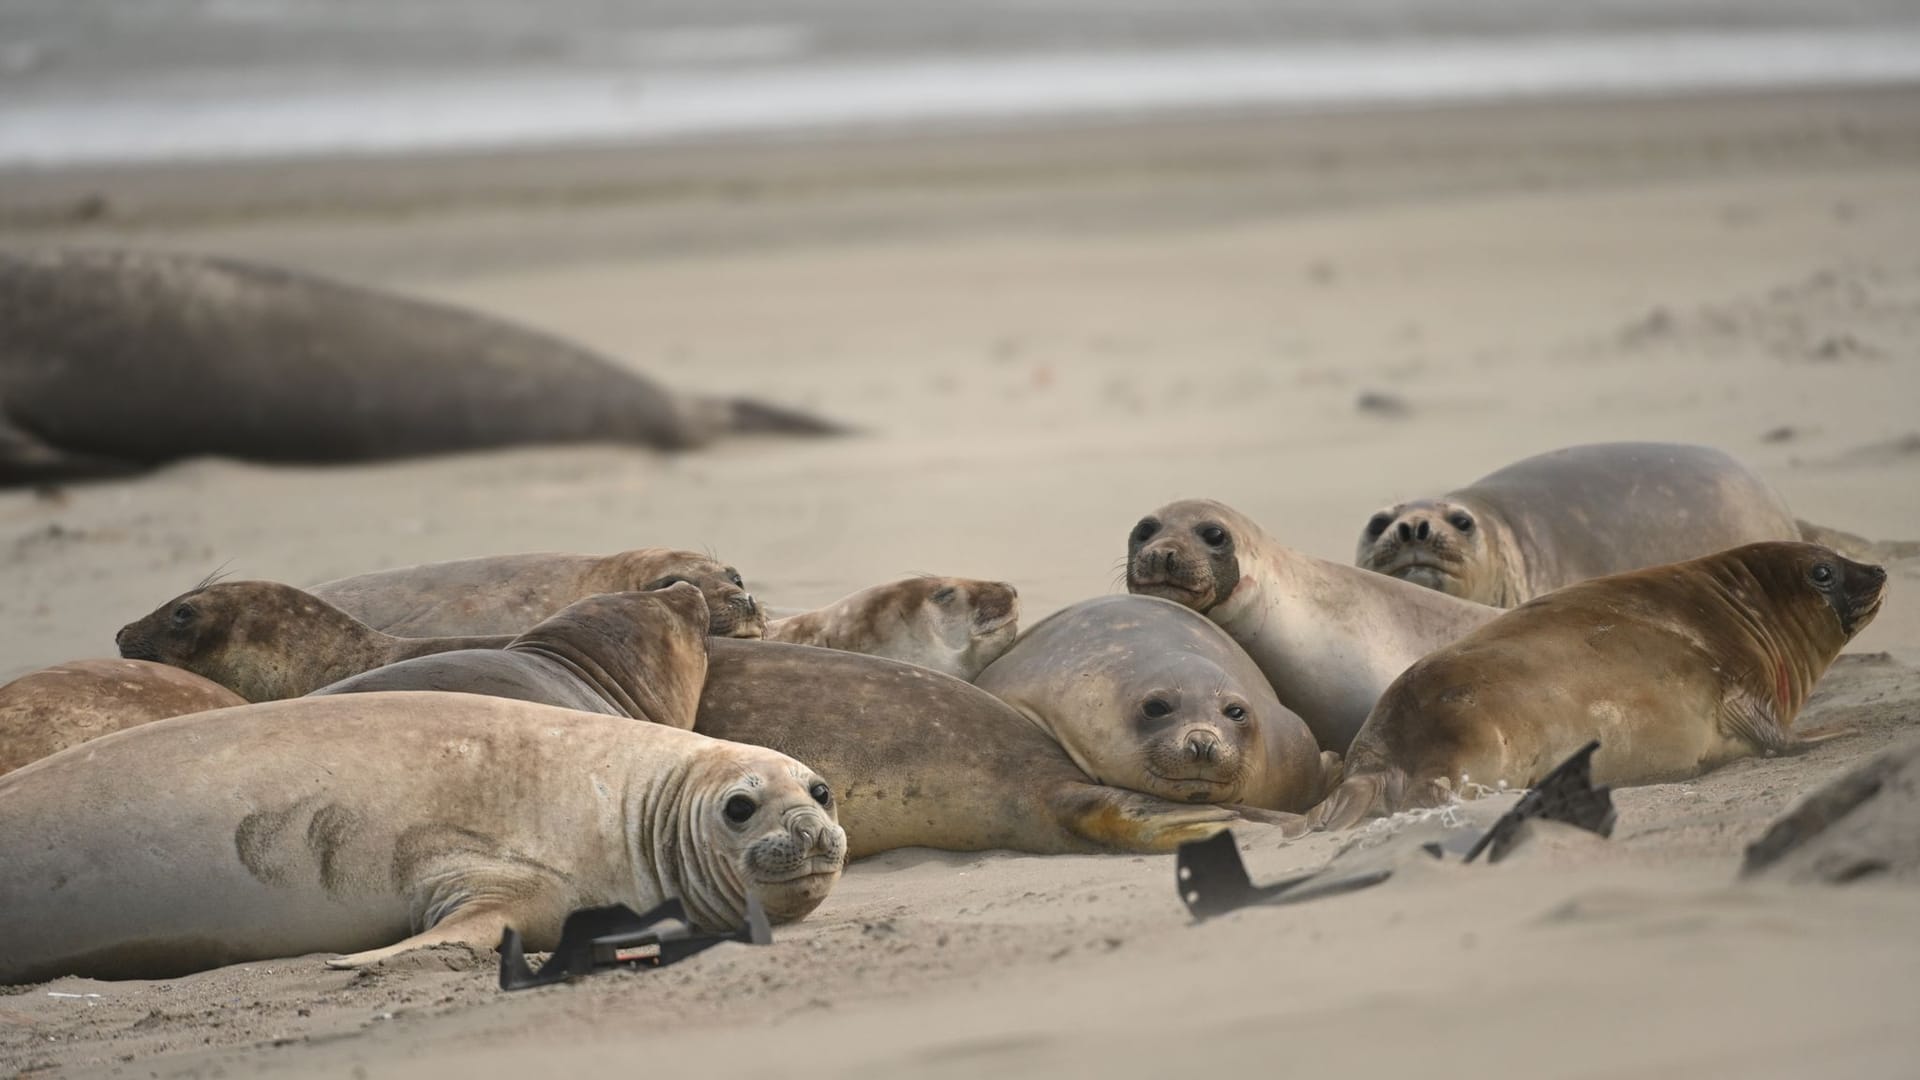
[1752, 720]
[476, 926]
[26, 458]
[1118, 820]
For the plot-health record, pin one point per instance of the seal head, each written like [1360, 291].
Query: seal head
[732, 610]
[754, 823]
[1187, 552]
[956, 626]
[1438, 544]
[258, 638]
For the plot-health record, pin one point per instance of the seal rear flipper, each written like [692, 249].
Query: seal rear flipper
[26, 458]
[1113, 819]
[1371, 794]
[746, 416]
[1291, 825]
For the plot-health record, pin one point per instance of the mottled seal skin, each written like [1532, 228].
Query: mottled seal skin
[641, 655]
[508, 594]
[375, 823]
[266, 641]
[44, 712]
[953, 625]
[1676, 669]
[1145, 694]
[1572, 514]
[1328, 637]
[922, 759]
[111, 362]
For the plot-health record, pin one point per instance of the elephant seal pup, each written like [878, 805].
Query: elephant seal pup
[953, 625]
[1145, 694]
[507, 594]
[1573, 514]
[921, 759]
[641, 655]
[111, 362]
[1329, 637]
[44, 712]
[1676, 669]
[378, 823]
[266, 641]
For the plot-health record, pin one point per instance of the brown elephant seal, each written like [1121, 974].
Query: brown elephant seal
[1329, 637]
[1572, 514]
[266, 641]
[507, 594]
[115, 361]
[44, 712]
[921, 759]
[641, 655]
[377, 823]
[1675, 669]
[1147, 695]
[952, 625]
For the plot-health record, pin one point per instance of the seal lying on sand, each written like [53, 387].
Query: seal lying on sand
[1329, 637]
[1573, 514]
[953, 625]
[1146, 695]
[1675, 669]
[44, 712]
[266, 641]
[924, 759]
[507, 594]
[641, 655]
[115, 361]
[352, 823]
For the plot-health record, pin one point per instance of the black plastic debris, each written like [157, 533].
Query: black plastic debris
[1213, 879]
[595, 939]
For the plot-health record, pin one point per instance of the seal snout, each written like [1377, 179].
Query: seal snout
[1202, 746]
[995, 604]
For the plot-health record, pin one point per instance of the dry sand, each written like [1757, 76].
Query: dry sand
[1047, 334]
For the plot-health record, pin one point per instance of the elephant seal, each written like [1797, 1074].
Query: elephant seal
[953, 625]
[377, 823]
[266, 641]
[1329, 637]
[584, 658]
[1572, 514]
[922, 759]
[1676, 669]
[111, 362]
[1144, 694]
[44, 712]
[507, 594]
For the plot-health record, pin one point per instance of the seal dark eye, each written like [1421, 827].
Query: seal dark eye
[1822, 574]
[1378, 524]
[183, 614]
[1236, 713]
[1461, 522]
[1155, 708]
[734, 576]
[944, 596]
[1214, 535]
[1144, 531]
[667, 582]
[740, 808]
[821, 793]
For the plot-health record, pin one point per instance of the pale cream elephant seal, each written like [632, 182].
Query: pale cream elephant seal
[952, 625]
[44, 712]
[1676, 669]
[642, 655]
[1329, 637]
[1145, 694]
[1572, 514]
[371, 824]
[266, 641]
[507, 594]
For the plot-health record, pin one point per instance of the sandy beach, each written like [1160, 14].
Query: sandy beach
[1042, 334]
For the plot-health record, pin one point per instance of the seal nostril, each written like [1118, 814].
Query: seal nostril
[1405, 531]
[1425, 530]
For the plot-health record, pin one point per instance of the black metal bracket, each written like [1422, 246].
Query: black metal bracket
[1212, 878]
[593, 939]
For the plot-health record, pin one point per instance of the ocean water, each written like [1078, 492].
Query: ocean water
[86, 81]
